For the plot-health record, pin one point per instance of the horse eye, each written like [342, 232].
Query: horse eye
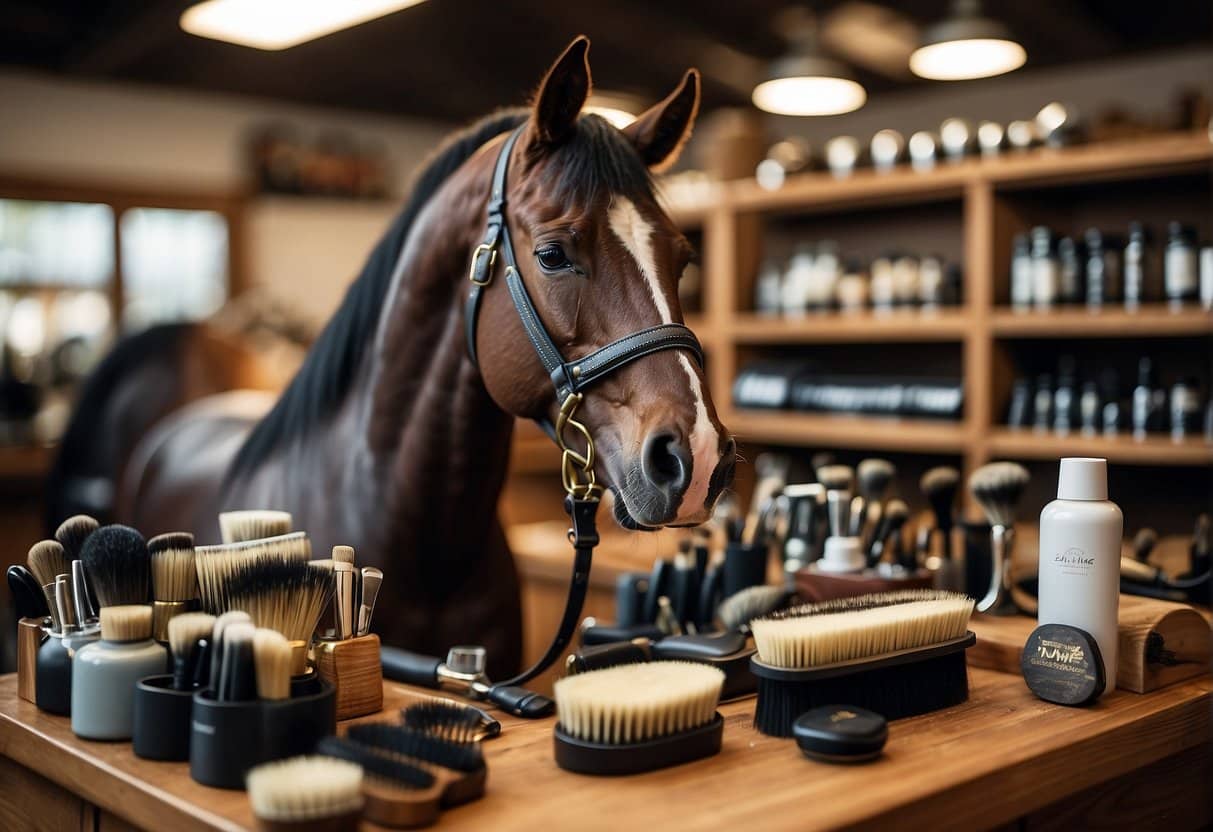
[552, 258]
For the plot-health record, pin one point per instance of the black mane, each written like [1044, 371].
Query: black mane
[595, 157]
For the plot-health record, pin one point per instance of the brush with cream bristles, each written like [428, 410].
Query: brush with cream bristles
[998, 487]
[72, 534]
[273, 655]
[174, 579]
[186, 634]
[637, 717]
[253, 524]
[306, 794]
[215, 564]
[940, 485]
[287, 596]
[46, 561]
[897, 653]
[838, 481]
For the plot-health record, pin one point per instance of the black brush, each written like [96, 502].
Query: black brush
[399, 772]
[28, 599]
[898, 654]
[420, 746]
[997, 487]
[887, 537]
[451, 720]
[287, 596]
[872, 480]
[118, 563]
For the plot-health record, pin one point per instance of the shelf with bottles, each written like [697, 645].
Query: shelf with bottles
[844, 430]
[897, 325]
[1150, 320]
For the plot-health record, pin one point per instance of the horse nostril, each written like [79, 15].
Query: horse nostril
[666, 463]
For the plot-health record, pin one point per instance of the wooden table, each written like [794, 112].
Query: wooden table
[1004, 756]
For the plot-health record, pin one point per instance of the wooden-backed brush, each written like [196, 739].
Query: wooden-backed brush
[897, 653]
[396, 792]
[459, 766]
[451, 720]
[273, 655]
[174, 579]
[872, 479]
[737, 611]
[997, 487]
[253, 524]
[939, 485]
[838, 481]
[637, 717]
[186, 632]
[306, 794]
[117, 562]
[216, 564]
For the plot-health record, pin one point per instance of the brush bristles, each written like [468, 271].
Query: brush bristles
[73, 532]
[116, 559]
[896, 513]
[322, 563]
[47, 559]
[449, 720]
[814, 635]
[997, 487]
[253, 524]
[215, 565]
[272, 653]
[941, 478]
[418, 746]
[874, 477]
[186, 629]
[343, 554]
[836, 477]
[128, 622]
[635, 702]
[285, 596]
[739, 609]
[174, 577]
[395, 771]
[305, 788]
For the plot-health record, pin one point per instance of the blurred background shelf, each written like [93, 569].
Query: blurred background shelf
[865, 326]
[846, 431]
[1153, 450]
[1148, 321]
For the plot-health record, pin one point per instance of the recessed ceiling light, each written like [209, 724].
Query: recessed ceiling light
[281, 24]
[966, 45]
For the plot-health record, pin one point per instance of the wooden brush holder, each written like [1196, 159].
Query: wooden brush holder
[1161, 643]
[354, 667]
[29, 638]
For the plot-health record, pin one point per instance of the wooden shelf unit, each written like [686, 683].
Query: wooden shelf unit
[732, 229]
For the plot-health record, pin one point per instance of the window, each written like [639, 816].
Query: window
[174, 265]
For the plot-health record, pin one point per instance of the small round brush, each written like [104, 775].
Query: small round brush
[737, 611]
[272, 654]
[306, 794]
[174, 579]
[940, 485]
[117, 561]
[997, 487]
[185, 634]
[253, 524]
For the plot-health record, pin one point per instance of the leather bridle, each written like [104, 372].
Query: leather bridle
[570, 379]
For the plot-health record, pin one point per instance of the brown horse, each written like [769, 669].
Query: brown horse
[391, 439]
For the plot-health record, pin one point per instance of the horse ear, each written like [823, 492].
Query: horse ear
[661, 131]
[562, 93]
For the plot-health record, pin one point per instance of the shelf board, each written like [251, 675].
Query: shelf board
[837, 328]
[1153, 450]
[847, 431]
[1148, 321]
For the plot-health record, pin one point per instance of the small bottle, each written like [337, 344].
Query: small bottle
[767, 289]
[1103, 269]
[1046, 269]
[1064, 399]
[1185, 409]
[1181, 278]
[1072, 281]
[905, 280]
[1021, 272]
[1042, 403]
[881, 285]
[1017, 411]
[1109, 392]
[1206, 278]
[841, 555]
[1089, 407]
[1135, 269]
[824, 277]
[1079, 562]
[930, 281]
[104, 673]
[797, 280]
[852, 289]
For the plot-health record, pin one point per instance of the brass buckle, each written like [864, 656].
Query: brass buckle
[476, 252]
[576, 468]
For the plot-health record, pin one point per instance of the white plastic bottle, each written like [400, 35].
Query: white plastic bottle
[1080, 535]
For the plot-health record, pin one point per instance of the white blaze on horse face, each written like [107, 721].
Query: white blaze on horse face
[636, 234]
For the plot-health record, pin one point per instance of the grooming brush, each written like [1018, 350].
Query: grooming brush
[46, 560]
[287, 596]
[997, 487]
[637, 717]
[272, 654]
[898, 654]
[396, 792]
[460, 764]
[837, 480]
[372, 579]
[174, 579]
[800, 544]
[343, 554]
[185, 634]
[737, 611]
[52, 604]
[772, 476]
[306, 794]
[28, 599]
[253, 524]
[820, 460]
[729, 652]
[940, 485]
[1143, 544]
[117, 561]
[71, 534]
[887, 536]
[451, 720]
[872, 479]
[237, 671]
[217, 639]
[216, 564]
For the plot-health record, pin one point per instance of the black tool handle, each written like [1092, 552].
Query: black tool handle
[602, 656]
[659, 582]
[713, 646]
[711, 591]
[521, 702]
[28, 598]
[410, 668]
[630, 589]
[610, 634]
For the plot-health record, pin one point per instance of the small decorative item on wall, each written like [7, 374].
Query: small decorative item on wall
[330, 164]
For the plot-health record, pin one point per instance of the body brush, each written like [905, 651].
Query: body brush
[895, 653]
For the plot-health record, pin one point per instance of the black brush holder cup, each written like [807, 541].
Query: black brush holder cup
[745, 565]
[162, 719]
[229, 738]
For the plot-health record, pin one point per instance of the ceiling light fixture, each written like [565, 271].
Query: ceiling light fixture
[281, 24]
[806, 83]
[966, 45]
[618, 108]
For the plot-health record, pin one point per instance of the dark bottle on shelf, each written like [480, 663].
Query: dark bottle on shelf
[1021, 272]
[1064, 398]
[1181, 277]
[1103, 268]
[1136, 269]
[1185, 409]
[1109, 390]
[1017, 411]
[1072, 281]
[1145, 399]
[1089, 408]
[1042, 403]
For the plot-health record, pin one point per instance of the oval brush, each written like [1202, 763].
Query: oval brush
[306, 794]
[396, 793]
